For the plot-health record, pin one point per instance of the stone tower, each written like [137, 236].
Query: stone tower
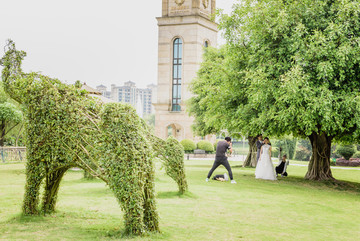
[185, 29]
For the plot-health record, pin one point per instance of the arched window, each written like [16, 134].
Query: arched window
[170, 130]
[206, 44]
[177, 71]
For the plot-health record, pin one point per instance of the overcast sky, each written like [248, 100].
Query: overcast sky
[94, 41]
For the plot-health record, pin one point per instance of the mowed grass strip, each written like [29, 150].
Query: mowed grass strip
[288, 209]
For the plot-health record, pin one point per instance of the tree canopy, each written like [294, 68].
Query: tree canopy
[288, 67]
[10, 115]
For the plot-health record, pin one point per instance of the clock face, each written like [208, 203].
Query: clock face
[205, 3]
[179, 2]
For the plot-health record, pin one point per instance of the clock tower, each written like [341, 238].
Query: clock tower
[185, 29]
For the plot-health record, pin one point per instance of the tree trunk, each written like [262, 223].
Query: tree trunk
[319, 166]
[250, 160]
[2, 134]
[18, 135]
[2, 137]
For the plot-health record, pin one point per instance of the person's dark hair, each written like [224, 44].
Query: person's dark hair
[267, 138]
[285, 156]
[227, 138]
[258, 135]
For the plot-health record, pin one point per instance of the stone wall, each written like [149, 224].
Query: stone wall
[353, 162]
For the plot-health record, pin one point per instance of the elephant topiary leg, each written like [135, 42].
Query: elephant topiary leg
[34, 176]
[151, 218]
[51, 190]
[132, 202]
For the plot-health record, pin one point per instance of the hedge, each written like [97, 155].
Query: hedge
[206, 146]
[189, 145]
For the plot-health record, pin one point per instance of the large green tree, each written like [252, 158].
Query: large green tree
[294, 68]
[10, 115]
[218, 96]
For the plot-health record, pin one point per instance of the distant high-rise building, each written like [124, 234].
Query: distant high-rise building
[146, 98]
[103, 91]
[153, 88]
[128, 93]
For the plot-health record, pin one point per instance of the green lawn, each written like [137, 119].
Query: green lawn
[288, 209]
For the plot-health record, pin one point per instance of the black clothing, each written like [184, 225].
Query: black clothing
[218, 176]
[221, 149]
[259, 144]
[221, 161]
[279, 169]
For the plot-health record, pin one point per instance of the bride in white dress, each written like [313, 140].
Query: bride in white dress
[265, 167]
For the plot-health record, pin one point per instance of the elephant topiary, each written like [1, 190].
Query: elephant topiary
[67, 128]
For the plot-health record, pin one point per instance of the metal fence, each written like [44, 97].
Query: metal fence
[11, 154]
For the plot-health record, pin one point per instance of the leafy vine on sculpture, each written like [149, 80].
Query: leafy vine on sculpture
[66, 128]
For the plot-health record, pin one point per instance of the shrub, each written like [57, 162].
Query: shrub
[303, 154]
[333, 162]
[346, 151]
[206, 146]
[189, 145]
[356, 155]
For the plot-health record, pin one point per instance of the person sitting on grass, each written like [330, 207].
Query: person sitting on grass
[281, 167]
[221, 178]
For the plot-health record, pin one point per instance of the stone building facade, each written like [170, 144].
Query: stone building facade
[185, 28]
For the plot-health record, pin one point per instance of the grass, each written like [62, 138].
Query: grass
[241, 149]
[287, 209]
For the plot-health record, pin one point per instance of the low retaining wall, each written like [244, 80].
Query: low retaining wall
[192, 155]
[353, 162]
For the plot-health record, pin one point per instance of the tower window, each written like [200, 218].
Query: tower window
[206, 44]
[177, 71]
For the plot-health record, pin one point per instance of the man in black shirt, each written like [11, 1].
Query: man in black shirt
[221, 158]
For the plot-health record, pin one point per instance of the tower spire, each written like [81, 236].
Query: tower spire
[171, 8]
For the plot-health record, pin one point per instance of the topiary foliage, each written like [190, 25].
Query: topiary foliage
[206, 146]
[189, 145]
[129, 166]
[174, 167]
[171, 153]
[66, 128]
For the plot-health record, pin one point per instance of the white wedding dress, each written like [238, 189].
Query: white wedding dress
[265, 168]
